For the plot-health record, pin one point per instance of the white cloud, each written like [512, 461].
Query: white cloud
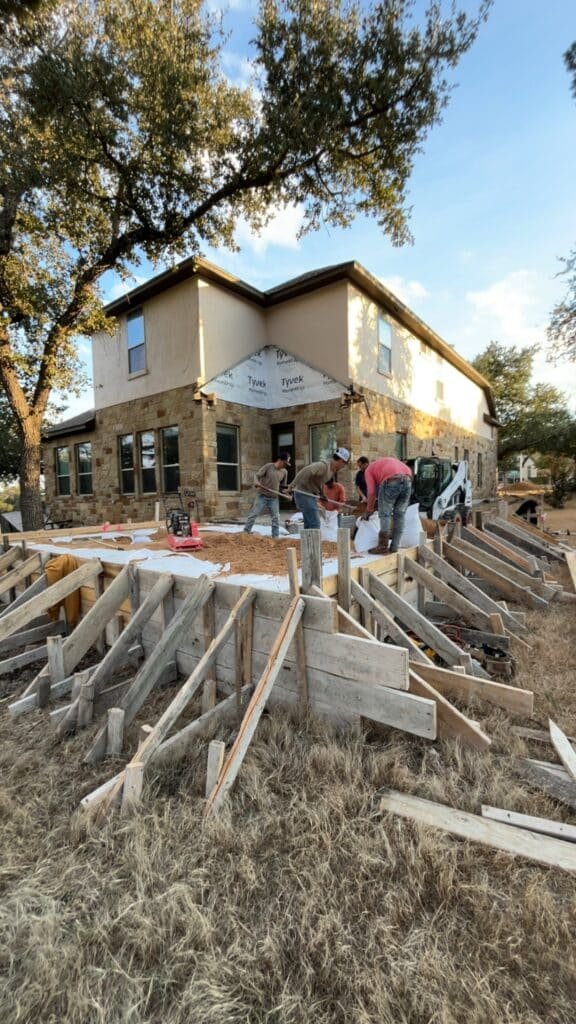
[238, 69]
[282, 230]
[407, 291]
[510, 308]
[122, 287]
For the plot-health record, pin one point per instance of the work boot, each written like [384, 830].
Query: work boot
[382, 547]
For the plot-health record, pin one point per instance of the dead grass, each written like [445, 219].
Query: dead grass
[302, 903]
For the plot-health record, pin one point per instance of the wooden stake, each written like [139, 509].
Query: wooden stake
[133, 785]
[216, 752]
[344, 570]
[55, 648]
[299, 640]
[311, 554]
[209, 690]
[85, 704]
[115, 732]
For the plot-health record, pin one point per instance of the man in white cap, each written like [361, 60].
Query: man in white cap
[308, 483]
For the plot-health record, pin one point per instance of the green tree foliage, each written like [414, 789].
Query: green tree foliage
[121, 137]
[533, 417]
[562, 326]
[10, 448]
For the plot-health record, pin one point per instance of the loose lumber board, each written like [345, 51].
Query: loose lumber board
[538, 735]
[563, 748]
[490, 543]
[512, 591]
[549, 778]
[503, 528]
[451, 722]
[544, 826]
[464, 586]
[511, 698]
[519, 842]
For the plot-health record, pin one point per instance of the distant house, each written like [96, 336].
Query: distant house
[206, 378]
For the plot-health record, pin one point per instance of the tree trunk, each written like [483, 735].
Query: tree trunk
[30, 468]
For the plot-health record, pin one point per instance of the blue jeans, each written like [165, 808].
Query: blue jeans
[307, 504]
[265, 503]
[393, 498]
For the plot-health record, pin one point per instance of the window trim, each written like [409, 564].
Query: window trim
[63, 476]
[383, 319]
[132, 348]
[238, 464]
[127, 469]
[142, 492]
[169, 465]
[77, 461]
[313, 426]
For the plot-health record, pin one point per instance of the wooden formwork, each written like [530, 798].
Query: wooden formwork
[355, 645]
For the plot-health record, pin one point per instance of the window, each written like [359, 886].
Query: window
[384, 345]
[440, 390]
[401, 444]
[479, 469]
[456, 456]
[170, 459]
[466, 456]
[126, 459]
[63, 470]
[84, 467]
[136, 342]
[323, 442]
[228, 457]
[147, 447]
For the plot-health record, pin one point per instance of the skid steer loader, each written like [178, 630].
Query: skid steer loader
[441, 487]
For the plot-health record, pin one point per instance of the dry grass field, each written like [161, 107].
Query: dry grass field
[303, 903]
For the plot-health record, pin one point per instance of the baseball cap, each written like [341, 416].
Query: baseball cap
[285, 456]
[343, 454]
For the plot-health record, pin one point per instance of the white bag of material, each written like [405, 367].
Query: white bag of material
[412, 527]
[367, 533]
[329, 526]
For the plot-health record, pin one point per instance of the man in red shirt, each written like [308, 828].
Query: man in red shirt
[390, 482]
[334, 496]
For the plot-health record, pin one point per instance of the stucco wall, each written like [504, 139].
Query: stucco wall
[230, 329]
[314, 327]
[416, 369]
[172, 352]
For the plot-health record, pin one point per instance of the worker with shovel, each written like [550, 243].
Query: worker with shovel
[308, 484]
[388, 481]
[270, 482]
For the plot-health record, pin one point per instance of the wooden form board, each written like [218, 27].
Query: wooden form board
[490, 543]
[20, 617]
[523, 579]
[520, 538]
[46, 536]
[461, 605]
[551, 779]
[517, 841]
[451, 722]
[544, 826]
[454, 684]
[505, 586]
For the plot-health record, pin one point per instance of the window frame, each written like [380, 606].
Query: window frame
[384, 346]
[142, 469]
[132, 348]
[127, 469]
[80, 475]
[170, 465]
[403, 453]
[227, 490]
[330, 448]
[63, 476]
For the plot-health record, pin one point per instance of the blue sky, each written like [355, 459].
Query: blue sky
[492, 195]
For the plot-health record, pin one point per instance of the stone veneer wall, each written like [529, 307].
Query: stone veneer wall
[372, 434]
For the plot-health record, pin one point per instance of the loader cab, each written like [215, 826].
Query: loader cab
[441, 488]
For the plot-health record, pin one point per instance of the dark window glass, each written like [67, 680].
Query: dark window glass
[126, 457]
[400, 445]
[63, 470]
[84, 467]
[136, 342]
[479, 470]
[170, 459]
[148, 461]
[227, 457]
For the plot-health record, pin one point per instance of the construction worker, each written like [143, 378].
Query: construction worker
[308, 483]
[333, 497]
[271, 477]
[360, 483]
[388, 481]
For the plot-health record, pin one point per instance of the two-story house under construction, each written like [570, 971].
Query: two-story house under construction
[206, 378]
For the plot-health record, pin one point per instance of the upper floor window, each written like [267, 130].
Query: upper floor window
[384, 345]
[63, 470]
[170, 459]
[147, 448]
[228, 457]
[136, 342]
[323, 441]
[126, 458]
[84, 467]
[440, 390]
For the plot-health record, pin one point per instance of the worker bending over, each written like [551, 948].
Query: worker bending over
[334, 496]
[390, 482]
[269, 478]
[307, 486]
